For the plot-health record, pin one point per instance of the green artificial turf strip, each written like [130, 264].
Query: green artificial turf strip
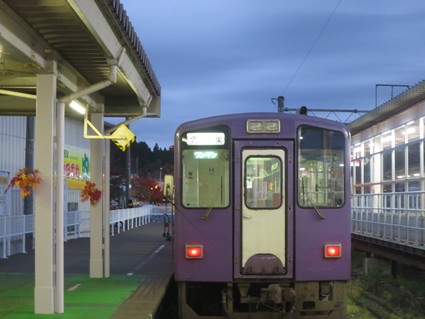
[88, 298]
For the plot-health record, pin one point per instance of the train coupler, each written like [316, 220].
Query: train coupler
[277, 297]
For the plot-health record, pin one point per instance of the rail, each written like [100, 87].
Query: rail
[14, 229]
[128, 218]
[393, 217]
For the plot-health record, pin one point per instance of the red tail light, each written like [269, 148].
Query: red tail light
[333, 250]
[194, 251]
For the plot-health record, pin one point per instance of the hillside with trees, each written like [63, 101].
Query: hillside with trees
[147, 167]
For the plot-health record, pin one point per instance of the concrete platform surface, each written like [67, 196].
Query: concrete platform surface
[141, 269]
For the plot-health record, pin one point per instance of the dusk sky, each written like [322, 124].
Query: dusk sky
[216, 57]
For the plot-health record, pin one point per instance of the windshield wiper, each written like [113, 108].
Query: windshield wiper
[313, 203]
[209, 209]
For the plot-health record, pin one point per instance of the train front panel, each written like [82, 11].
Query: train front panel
[262, 210]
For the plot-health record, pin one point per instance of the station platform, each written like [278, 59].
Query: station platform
[141, 270]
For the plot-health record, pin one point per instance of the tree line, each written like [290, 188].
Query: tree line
[147, 166]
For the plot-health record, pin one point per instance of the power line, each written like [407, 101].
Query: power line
[312, 46]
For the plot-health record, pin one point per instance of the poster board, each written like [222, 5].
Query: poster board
[76, 166]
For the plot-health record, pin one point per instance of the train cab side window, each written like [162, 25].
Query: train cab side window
[263, 182]
[320, 167]
[205, 178]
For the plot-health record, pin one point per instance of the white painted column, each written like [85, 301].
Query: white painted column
[43, 198]
[96, 211]
[377, 174]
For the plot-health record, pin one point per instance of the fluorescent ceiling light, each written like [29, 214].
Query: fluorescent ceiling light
[386, 139]
[77, 107]
[410, 130]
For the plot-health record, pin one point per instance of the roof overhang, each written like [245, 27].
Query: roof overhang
[80, 41]
[396, 105]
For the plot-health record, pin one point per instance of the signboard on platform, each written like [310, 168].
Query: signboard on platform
[76, 166]
[123, 137]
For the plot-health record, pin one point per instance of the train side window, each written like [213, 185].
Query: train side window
[320, 167]
[263, 182]
[205, 178]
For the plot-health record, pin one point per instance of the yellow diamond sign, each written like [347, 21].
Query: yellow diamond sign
[123, 137]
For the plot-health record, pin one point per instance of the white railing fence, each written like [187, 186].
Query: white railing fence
[128, 218]
[13, 229]
[393, 217]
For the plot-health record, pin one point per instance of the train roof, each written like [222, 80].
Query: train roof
[237, 122]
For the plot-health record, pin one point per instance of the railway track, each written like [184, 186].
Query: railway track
[378, 307]
[377, 296]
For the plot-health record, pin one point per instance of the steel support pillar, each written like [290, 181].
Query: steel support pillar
[44, 201]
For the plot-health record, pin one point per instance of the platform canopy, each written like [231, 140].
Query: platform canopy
[80, 41]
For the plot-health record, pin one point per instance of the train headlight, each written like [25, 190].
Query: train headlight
[194, 252]
[332, 250]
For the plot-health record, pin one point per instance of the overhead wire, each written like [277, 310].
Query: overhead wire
[312, 47]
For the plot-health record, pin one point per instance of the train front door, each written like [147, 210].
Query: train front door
[263, 209]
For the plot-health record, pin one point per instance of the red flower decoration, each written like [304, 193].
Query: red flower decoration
[27, 179]
[90, 192]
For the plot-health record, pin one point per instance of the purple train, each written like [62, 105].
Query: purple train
[262, 223]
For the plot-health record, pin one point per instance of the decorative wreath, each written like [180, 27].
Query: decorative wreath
[27, 179]
[90, 192]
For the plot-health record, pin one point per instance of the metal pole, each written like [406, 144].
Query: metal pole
[106, 214]
[280, 104]
[128, 173]
[392, 90]
[60, 135]
[29, 162]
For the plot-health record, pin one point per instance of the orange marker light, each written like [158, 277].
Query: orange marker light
[333, 250]
[194, 251]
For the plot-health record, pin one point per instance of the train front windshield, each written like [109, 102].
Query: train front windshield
[205, 170]
[321, 167]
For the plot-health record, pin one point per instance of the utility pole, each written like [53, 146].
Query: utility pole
[280, 103]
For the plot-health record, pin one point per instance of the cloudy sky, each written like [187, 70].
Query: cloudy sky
[216, 57]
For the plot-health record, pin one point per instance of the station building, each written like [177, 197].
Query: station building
[388, 177]
[388, 145]
[17, 150]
